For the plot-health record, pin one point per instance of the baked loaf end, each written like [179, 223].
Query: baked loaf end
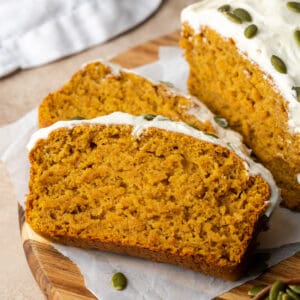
[161, 195]
[98, 90]
[235, 87]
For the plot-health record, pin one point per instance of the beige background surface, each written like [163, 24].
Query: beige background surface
[21, 92]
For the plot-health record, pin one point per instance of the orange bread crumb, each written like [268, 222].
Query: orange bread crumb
[234, 87]
[96, 91]
[162, 195]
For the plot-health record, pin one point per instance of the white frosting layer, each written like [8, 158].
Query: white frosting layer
[276, 25]
[140, 125]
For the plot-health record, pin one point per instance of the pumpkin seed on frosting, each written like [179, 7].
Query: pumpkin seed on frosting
[77, 118]
[242, 14]
[233, 18]
[221, 121]
[278, 64]
[149, 117]
[297, 36]
[224, 8]
[297, 89]
[250, 31]
[294, 6]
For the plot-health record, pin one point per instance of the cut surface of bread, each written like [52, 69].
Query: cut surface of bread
[148, 192]
[234, 86]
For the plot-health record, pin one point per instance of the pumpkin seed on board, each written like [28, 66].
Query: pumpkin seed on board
[278, 64]
[224, 8]
[294, 6]
[292, 294]
[250, 31]
[295, 288]
[275, 289]
[119, 281]
[242, 14]
[233, 18]
[255, 290]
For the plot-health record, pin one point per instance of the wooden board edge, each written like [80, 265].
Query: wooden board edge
[66, 282]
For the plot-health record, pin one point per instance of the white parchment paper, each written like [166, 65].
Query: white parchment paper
[146, 279]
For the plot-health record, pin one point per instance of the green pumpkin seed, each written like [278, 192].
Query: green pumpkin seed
[278, 64]
[233, 18]
[149, 117]
[119, 281]
[242, 14]
[221, 121]
[192, 125]
[255, 290]
[211, 134]
[280, 295]
[77, 118]
[295, 288]
[297, 89]
[292, 294]
[224, 8]
[167, 83]
[297, 36]
[286, 297]
[277, 286]
[250, 31]
[294, 6]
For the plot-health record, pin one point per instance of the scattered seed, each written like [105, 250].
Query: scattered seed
[255, 290]
[297, 36]
[224, 8]
[233, 18]
[149, 117]
[77, 118]
[297, 89]
[292, 294]
[192, 125]
[119, 281]
[167, 83]
[242, 14]
[294, 6]
[275, 289]
[211, 134]
[221, 121]
[250, 31]
[295, 288]
[278, 64]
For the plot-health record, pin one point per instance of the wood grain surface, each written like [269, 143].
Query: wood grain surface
[59, 278]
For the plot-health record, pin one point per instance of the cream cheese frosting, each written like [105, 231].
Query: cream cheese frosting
[276, 26]
[140, 124]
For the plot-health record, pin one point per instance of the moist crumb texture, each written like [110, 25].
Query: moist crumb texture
[233, 86]
[96, 91]
[163, 196]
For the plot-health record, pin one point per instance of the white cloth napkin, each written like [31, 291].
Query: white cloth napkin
[35, 32]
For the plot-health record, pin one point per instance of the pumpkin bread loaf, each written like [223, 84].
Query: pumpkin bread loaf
[244, 65]
[156, 189]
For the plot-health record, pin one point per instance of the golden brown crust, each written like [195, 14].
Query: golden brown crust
[234, 87]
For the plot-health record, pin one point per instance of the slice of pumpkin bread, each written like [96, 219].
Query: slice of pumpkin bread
[99, 89]
[156, 189]
[244, 65]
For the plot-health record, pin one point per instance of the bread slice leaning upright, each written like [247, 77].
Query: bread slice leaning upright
[149, 187]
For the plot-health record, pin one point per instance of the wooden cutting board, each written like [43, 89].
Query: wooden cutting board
[59, 278]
